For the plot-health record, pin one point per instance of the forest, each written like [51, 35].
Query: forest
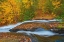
[13, 11]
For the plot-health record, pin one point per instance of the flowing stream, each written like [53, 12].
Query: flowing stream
[38, 33]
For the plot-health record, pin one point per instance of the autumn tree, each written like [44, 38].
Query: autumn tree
[9, 12]
[58, 8]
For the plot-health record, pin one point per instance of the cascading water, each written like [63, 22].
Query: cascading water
[38, 35]
[37, 32]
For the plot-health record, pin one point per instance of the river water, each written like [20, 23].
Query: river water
[39, 35]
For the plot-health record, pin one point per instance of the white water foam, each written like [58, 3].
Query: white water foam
[41, 33]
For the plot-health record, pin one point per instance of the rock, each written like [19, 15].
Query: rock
[57, 30]
[14, 30]
[14, 37]
[29, 26]
[57, 27]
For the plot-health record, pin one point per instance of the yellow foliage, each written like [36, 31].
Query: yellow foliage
[56, 3]
[7, 7]
[24, 1]
[31, 3]
[41, 4]
[27, 3]
[10, 12]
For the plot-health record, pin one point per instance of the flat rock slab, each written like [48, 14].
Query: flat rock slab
[34, 25]
[14, 37]
[29, 26]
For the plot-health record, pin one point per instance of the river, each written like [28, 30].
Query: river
[39, 35]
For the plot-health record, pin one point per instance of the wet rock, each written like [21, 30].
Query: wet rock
[14, 30]
[32, 26]
[57, 30]
[29, 26]
[14, 37]
[34, 29]
[57, 27]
